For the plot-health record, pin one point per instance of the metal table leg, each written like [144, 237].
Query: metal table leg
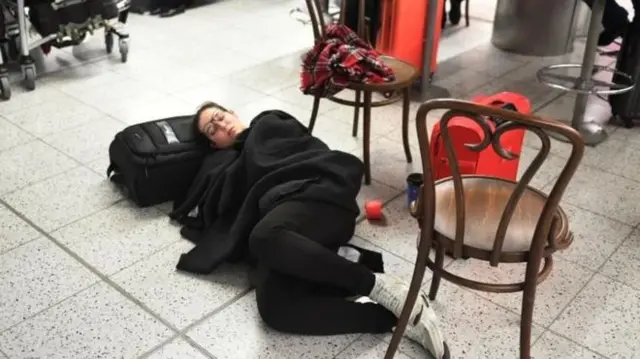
[585, 85]
[427, 89]
[592, 133]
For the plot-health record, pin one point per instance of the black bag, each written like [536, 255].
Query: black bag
[47, 20]
[156, 161]
[626, 107]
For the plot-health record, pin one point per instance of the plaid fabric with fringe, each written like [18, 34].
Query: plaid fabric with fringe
[343, 58]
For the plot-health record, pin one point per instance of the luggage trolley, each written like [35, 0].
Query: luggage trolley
[60, 24]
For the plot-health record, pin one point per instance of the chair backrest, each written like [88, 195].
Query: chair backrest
[320, 27]
[511, 121]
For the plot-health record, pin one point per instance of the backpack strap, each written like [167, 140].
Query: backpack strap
[116, 178]
[110, 169]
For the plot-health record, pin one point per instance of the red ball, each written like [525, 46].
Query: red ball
[373, 210]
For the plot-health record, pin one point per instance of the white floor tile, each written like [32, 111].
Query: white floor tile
[97, 322]
[368, 347]
[550, 299]
[605, 194]
[118, 236]
[34, 277]
[57, 115]
[595, 237]
[237, 332]
[22, 99]
[13, 230]
[87, 142]
[11, 135]
[388, 162]
[393, 264]
[473, 327]
[177, 349]
[398, 233]
[604, 317]
[624, 264]
[30, 163]
[223, 91]
[551, 345]
[150, 107]
[64, 198]
[268, 77]
[178, 297]
[293, 95]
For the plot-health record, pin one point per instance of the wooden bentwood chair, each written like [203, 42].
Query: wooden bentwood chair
[489, 219]
[406, 74]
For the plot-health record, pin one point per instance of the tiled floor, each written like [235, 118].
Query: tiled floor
[83, 274]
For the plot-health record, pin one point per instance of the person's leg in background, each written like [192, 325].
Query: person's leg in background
[300, 240]
[615, 21]
[455, 12]
[371, 12]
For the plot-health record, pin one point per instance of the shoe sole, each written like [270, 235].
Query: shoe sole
[447, 353]
[433, 326]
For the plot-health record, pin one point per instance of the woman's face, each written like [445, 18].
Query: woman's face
[220, 127]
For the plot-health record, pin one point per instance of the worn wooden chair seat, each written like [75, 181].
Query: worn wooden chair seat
[489, 219]
[485, 201]
[406, 74]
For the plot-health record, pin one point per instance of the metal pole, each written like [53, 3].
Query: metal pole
[592, 133]
[427, 89]
[22, 27]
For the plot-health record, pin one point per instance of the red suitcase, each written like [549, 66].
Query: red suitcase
[402, 31]
[464, 130]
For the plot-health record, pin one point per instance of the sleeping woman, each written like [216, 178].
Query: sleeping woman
[274, 195]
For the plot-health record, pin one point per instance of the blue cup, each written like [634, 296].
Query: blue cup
[414, 181]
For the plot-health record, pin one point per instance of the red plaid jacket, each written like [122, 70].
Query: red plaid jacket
[342, 58]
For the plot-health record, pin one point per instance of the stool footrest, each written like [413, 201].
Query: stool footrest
[556, 76]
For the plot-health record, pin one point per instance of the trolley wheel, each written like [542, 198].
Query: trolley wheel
[5, 88]
[30, 78]
[108, 41]
[123, 45]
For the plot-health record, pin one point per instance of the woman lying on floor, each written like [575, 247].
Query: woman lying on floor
[279, 197]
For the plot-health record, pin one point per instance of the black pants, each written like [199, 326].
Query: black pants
[372, 11]
[302, 282]
[615, 18]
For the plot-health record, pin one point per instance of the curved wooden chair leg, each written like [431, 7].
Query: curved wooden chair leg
[356, 114]
[406, 101]
[528, 300]
[412, 297]
[314, 113]
[466, 13]
[366, 135]
[437, 276]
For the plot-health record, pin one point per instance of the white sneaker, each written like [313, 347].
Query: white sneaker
[391, 293]
[425, 330]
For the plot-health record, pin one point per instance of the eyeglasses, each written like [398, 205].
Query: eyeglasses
[210, 127]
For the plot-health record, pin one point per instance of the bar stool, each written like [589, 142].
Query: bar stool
[583, 85]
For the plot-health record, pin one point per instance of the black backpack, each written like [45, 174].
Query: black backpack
[155, 162]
